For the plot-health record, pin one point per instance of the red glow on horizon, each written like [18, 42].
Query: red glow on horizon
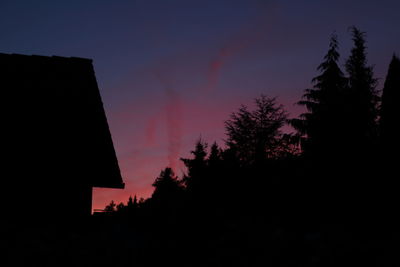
[185, 119]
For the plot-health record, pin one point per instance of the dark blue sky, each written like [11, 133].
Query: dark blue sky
[171, 71]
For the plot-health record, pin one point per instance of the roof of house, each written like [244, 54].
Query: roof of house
[54, 122]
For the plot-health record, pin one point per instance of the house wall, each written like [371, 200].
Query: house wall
[55, 143]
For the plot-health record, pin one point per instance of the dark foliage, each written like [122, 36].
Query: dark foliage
[390, 112]
[167, 189]
[323, 127]
[389, 137]
[362, 98]
[261, 200]
[254, 136]
[196, 168]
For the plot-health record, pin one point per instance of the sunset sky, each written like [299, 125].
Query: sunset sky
[171, 71]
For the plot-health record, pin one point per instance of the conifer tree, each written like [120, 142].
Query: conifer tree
[362, 97]
[215, 156]
[120, 207]
[254, 136]
[167, 188]
[390, 112]
[197, 180]
[110, 207]
[389, 137]
[322, 126]
[196, 167]
[132, 202]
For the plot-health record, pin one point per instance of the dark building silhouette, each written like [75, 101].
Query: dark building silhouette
[56, 144]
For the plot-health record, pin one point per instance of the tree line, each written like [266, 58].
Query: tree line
[343, 144]
[324, 194]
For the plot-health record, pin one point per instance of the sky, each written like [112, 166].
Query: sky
[171, 71]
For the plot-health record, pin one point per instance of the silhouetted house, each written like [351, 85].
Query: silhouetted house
[56, 144]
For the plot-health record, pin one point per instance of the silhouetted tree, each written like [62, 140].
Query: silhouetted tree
[167, 189]
[120, 207]
[196, 167]
[389, 136]
[322, 128]
[390, 112]
[214, 158]
[110, 207]
[141, 201]
[132, 203]
[362, 98]
[219, 176]
[254, 136]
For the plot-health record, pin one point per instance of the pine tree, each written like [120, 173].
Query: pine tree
[110, 207]
[120, 207]
[254, 136]
[390, 113]
[132, 203]
[362, 97]
[196, 167]
[167, 188]
[214, 158]
[240, 132]
[389, 157]
[322, 126]
[217, 175]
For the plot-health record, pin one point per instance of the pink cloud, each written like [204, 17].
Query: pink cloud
[150, 133]
[241, 40]
[173, 111]
[133, 127]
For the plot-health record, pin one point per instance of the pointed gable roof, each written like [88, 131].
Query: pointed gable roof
[54, 122]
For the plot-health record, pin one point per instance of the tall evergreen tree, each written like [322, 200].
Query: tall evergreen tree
[390, 112]
[322, 125]
[214, 159]
[389, 158]
[198, 181]
[167, 189]
[194, 180]
[215, 172]
[362, 97]
[254, 136]
[132, 203]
